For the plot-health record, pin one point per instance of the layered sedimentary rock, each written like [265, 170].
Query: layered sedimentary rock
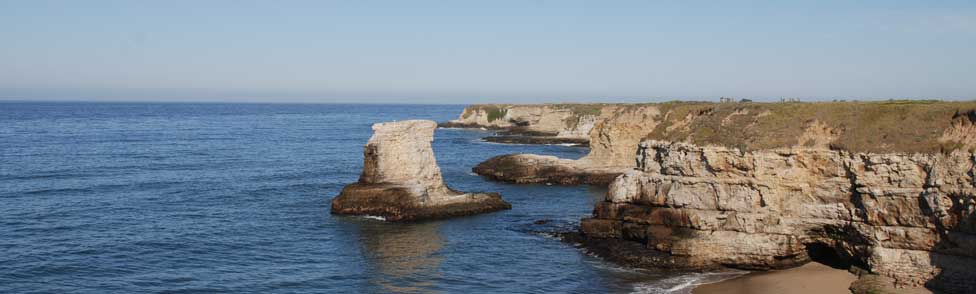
[876, 127]
[908, 217]
[401, 179]
[531, 124]
[887, 187]
[613, 138]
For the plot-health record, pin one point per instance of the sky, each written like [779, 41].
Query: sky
[485, 51]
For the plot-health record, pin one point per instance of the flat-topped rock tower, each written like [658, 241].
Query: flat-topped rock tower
[401, 180]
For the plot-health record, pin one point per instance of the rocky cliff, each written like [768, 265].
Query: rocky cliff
[614, 132]
[401, 179]
[883, 187]
[556, 120]
[876, 127]
[909, 217]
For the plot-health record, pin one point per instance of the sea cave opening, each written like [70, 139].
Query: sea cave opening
[828, 255]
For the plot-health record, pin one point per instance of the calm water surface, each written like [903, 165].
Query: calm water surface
[221, 198]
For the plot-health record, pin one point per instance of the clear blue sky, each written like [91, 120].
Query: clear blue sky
[485, 51]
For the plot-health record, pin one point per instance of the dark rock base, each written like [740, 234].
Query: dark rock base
[576, 142]
[460, 125]
[509, 168]
[523, 131]
[395, 203]
[631, 254]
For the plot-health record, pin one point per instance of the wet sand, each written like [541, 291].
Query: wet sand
[811, 278]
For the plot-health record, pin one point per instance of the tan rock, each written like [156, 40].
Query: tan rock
[909, 218]
[531, 168]
[888, 186]
[401, 179]
[554, 120]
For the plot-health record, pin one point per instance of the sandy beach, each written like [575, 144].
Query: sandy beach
[811, 278]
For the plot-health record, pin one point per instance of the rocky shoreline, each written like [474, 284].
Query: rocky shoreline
[760, 186]
[516, 124]
[711, 207]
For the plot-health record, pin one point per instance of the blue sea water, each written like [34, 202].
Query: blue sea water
[234, 198]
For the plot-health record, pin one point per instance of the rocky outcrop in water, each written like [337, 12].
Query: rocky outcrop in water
[401, 180]
[907, 217]
[531, 168]
[613, 140]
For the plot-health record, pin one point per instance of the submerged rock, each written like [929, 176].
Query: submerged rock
[401, 180]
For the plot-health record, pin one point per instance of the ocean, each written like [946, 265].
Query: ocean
[234, 198]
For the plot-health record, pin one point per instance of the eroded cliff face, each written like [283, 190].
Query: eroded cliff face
[558, 120]
[884, 186]
[402, 181]
[613, 137]
[877, 127]
[910, 217]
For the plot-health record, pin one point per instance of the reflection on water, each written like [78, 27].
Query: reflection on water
[405, 256]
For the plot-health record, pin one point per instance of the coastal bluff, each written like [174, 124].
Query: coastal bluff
[401, 180]
[615, 130]
[886, 189]
[565, 124]
[905, 217]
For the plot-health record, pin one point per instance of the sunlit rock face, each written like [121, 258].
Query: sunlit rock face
[905, 216]
[401, 179]
[613, 137]
[615, 130]
[557, 121]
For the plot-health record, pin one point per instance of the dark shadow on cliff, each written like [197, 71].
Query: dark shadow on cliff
[827, 255]
[951, 254]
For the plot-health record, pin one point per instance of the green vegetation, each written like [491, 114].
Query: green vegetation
[879, 126]
[496, 113]
[884, 126]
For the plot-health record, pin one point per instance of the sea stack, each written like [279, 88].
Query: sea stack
[402, 182]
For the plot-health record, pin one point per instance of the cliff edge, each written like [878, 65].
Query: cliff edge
[926, 127]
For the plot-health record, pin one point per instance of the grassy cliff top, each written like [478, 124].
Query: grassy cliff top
[924, 126]
[883, 126]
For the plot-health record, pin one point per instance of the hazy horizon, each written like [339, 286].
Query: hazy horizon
[488, 52]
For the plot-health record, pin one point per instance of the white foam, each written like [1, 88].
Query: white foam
[374, 217]
[683, 284]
